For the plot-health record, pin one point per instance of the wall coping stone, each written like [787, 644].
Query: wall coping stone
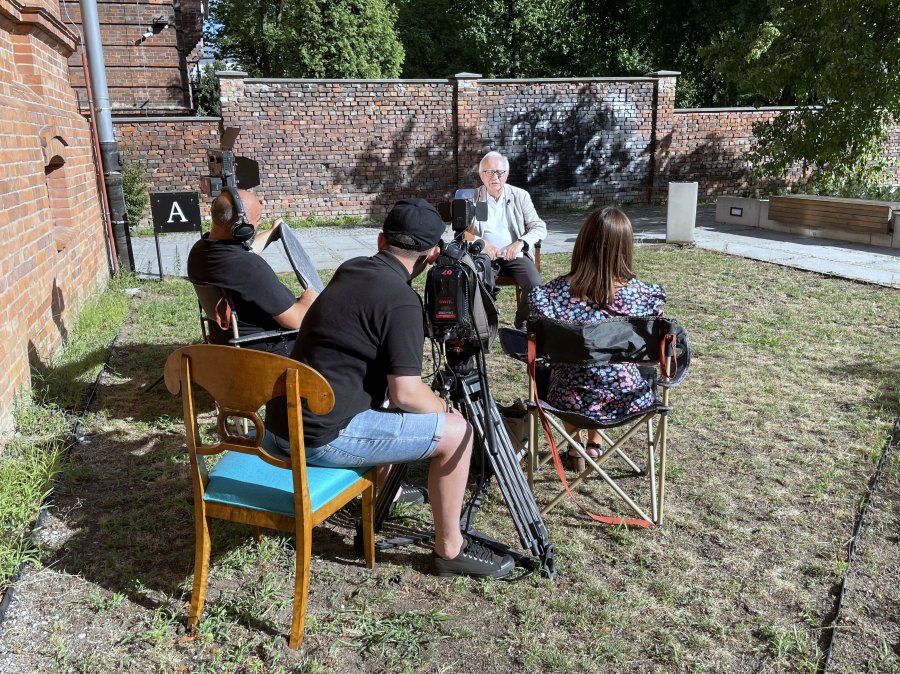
[287, 80]
[231, 73]
[183, 118]
[744, 109]
[569, 79]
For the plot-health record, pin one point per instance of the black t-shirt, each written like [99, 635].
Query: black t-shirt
[366, 324]
[256, 292]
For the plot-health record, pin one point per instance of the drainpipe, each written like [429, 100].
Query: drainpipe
[109, 153]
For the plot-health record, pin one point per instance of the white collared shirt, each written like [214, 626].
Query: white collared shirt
[496, 229]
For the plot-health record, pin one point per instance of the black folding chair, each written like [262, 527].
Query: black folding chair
[661, 350]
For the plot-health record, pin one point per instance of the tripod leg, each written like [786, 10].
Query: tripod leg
[385, 493]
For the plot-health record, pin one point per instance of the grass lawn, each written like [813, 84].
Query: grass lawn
[789, 404]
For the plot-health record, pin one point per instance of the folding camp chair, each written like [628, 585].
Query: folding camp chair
[249, 484]
[219, 320]
[660, 348]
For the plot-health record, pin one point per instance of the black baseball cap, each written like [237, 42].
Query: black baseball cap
[416, 219]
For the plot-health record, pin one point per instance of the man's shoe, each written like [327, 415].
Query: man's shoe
[475, 559]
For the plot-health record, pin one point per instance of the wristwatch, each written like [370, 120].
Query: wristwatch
[524, 246]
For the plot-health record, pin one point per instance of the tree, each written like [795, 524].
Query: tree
[510, 38]
[207, 87]
[575, 38]
[838, 61]
[309, 38]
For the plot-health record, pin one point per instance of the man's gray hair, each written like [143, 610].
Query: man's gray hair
[493, 154]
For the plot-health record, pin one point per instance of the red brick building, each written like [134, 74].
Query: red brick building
[150, 48]
[54, 254]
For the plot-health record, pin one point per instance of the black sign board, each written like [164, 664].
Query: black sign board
[175, 212]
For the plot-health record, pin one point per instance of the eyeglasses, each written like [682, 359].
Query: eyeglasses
[494, 173]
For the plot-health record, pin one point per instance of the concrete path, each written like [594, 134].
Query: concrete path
[329, 246]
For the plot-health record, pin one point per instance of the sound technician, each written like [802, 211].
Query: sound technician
[227, 258]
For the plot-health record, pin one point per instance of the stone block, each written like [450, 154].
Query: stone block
[739, 210]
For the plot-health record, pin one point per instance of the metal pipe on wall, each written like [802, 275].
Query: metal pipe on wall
[101, 182]
[109, 154]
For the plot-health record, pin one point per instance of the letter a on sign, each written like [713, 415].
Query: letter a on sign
[175, 212]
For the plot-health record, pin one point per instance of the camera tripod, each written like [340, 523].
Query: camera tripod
[469, 392]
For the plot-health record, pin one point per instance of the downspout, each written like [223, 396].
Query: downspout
[109, 154]
[113, 265]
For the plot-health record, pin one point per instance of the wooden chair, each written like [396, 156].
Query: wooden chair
[249, 484]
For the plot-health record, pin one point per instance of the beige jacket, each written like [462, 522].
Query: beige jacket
[521, 217]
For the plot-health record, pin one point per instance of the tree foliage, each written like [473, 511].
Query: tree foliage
[574, 38]
[135, 187]
[309, 38]
[838, 61]
[207, 87]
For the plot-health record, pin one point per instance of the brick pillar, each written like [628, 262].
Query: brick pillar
[231, 91]
[661, 140]
[466, 125]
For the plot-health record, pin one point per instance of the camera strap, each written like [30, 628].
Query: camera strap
[485, 313]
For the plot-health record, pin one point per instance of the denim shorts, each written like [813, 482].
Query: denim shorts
[377, 437]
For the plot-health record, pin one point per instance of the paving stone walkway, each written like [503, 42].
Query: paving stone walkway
[329, 246]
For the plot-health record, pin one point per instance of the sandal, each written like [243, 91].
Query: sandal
[594, 450]
[573, 461]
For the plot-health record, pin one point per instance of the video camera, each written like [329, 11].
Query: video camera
[459, 300]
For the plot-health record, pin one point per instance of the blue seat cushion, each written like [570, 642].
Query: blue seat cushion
[248, 481]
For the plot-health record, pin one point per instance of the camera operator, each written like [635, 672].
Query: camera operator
[365, 335]
[512, 229]
[260, 300]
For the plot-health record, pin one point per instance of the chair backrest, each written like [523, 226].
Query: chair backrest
[215, 310]
[618, 339]
[241, 381]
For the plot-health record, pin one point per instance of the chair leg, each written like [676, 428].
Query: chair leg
[201, 570]
[662, 433]
[368, 525]
[301, 584]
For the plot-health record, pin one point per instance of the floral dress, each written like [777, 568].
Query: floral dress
[608, 391]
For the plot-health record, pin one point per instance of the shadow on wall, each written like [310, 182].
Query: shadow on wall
[720, 170]
[403, 167]
[57, 307]
[576, 154]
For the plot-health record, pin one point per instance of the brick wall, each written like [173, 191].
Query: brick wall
[339, 147]
[55, 253]
[172, 150]
[710, 146]
[343, 147]
[353, 147]
[146, 75]
[570, 142]
[893, 151]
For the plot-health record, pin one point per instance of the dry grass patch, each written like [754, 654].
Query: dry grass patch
[789, 403]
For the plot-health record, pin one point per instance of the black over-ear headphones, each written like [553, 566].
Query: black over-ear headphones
[242, 230]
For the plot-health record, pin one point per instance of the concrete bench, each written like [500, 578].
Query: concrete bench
[833, 212]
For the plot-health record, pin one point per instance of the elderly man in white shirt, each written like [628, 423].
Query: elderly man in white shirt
[512, 229]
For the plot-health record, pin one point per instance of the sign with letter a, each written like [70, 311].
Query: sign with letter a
[175, 212]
